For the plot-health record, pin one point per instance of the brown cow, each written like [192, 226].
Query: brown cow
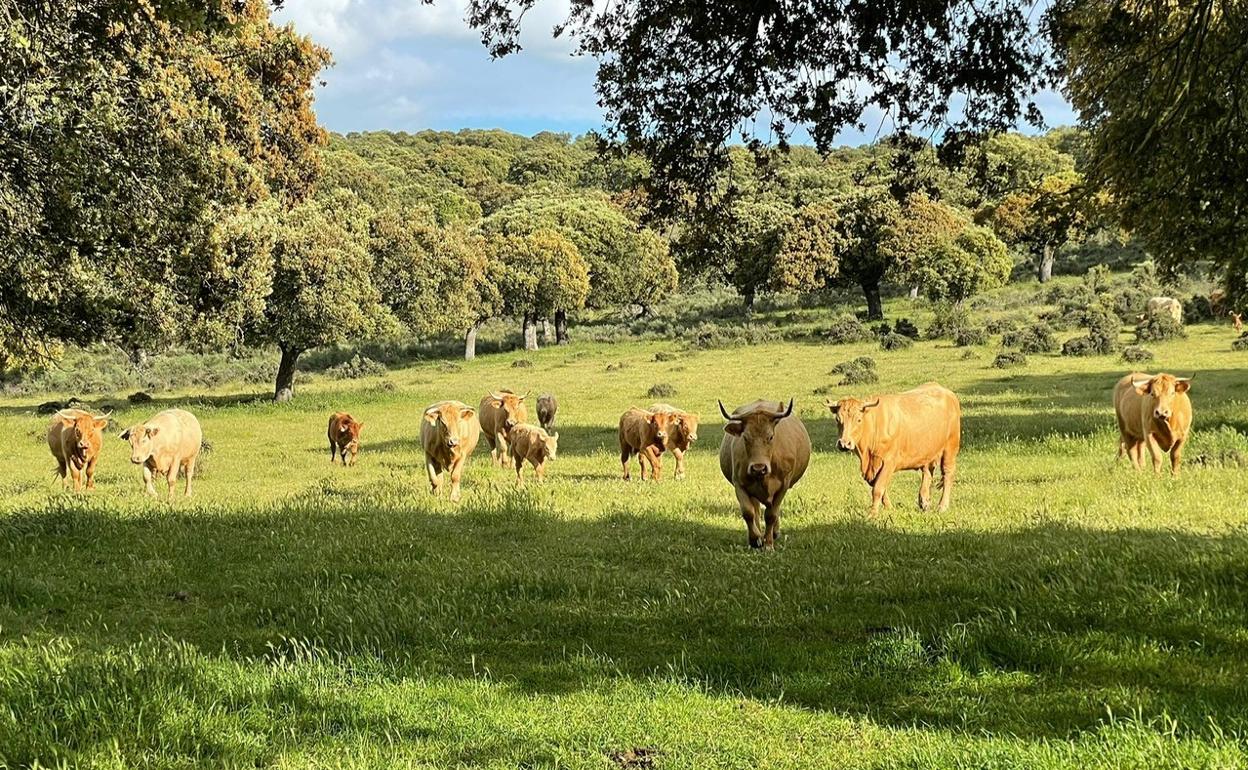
[1153, 410]
[344, 437]
[681, 433]
[644, 434]
[1237, 320]
[764, 453]
[75, 436]
[499, 413]
[915, 430]
[449, 433]
[547, 408]
[530, 442]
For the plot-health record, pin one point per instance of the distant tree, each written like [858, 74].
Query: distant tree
[923, 226]
[811, 248]
[543, 274]
[1043, 219]
[1011, 163]
[959, 267]
[865, 219]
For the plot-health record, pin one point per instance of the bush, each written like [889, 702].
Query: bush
[522, 363]
[661, 390]
[949, 319]
[356, 367]
[1241, 343]
[1037, 338]
[857, 371]
[449, 367]
[968, 354]
[1158, 328]
[615, 367]
[861, 362]
[1199, 308]
[970, 335]
[707, 335]
[1009, 359]
[906, 328]
[893, 341]
[1002, 325]
[1136, 354]
[665, 355]
[845, 330]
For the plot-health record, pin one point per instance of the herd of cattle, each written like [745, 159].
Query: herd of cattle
[764, 452]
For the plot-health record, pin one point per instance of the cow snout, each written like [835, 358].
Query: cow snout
[759, 469]
[845, 446]
[1161, 414]
[452, 442]
[509, 424]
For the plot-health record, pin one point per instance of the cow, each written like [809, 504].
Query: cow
[499, 413]
[681, 433]
[1165, 306]
[764, 453]
[547, 408]
[644, 434]
[75, 436]
[1237, 320]
[164, 445]
[344, 437]
[915, 430]
[449, 433]
[530, 442]
[1153, 410]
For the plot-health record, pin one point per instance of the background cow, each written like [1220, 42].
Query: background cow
[1153, 410]
[915, 430]
[530, 442]
[765, 452]
[1165, 306]
[499, 413]
[1237, 321]
[644, 434]
[449, 433]
[75, 436]
[165, 444]
[682, 431]
[547, 408]
[344, 437]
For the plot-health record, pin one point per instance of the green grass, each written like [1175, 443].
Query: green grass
[1066, 612]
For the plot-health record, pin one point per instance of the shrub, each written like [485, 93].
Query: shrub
[707, 335]
[1158, 328]
[1224, 447]
[968, 354]
[970, 335]
[356, 367]
[893, 341]
[1080, 346]
[139, 397]
[1136, 354]
[665, 355]
[1002, 325]
[522, 363]
[845, 330]
[1241, 343]
[948, 320]
[449, 367]
[861, 362]
[661, 390]
[1198, 308]
[906, 328]
[857, 371]
[1037, 338]
[615, 367]
[1009, 359]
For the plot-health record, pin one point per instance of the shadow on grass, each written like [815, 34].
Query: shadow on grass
[1036, 633]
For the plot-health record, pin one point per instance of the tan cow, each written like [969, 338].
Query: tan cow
[915, 430]
[344, 437]
[644, 434]
[1153, 410]
[499, 413]
[1237, 320]
[164, 445]
[75, 436]
[764, 453]
[1166, 306]
[681, 433]
[530, 442]
[449, 433]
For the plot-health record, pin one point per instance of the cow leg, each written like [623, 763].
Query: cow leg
[333, 452]
[519, 473]
[90, 472]
[62, 470]
[749, 511]
[171, 475]
[1135, 451]
[435, 476]
[1176, 456]
[773, 520]
[641, 463]
[1154, 450]
[457, 472]
[656, 463]
[76, 473]
[626, 455]
[879, 488]
[540, 470]
[188, 469]
[925, 488]
[147, 480]
[680, 463]
[948, 469]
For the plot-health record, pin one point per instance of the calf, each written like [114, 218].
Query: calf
[764, 453]
[682, 432]
[644, 434]
[449, 434]
[530, 442]
[547, 408]
[1153, 410]
[1237, 320]
[166, 444]
[914, 430]
[75, 437]
[344, 437]
[499, 413]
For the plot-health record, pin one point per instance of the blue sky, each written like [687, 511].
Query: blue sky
[403, 65]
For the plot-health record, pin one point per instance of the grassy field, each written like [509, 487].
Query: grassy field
[1066, 612]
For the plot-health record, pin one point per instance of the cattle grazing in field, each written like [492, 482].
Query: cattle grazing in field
[449, 433]
[915, 430]
[499, 413]
[344, 437]
[1237, 320]
[1153, 410]
[682, 431]
[531, 443]
[547, 408]
[1165, 306]
[644, 434]
[167, 444]
[75, 436]
[764, 453]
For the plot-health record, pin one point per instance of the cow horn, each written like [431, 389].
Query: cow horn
[1137, 384]
[526, 395]
[1183, 379]
[785, 413]
[495, 396]
[724, 411]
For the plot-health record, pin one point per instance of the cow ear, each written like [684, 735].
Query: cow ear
[735, 427]
[152, 430]
[125, 435]
[468, 413]
[834, 406]
[1182, 384]
[498, 404]
[1142, 386]
[359, 426]
[432, 416]
[100, 423]
[68, 422]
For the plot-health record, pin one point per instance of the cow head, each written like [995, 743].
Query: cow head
[349, 432]
[512, 407]
[757, 428]
[660, 428]
[849, 414]
[684, 427]
[1164, 388]
[86, 431]
[142, 444]
[552, 445]
[446, 418]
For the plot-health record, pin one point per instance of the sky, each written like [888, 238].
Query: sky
[403, 65]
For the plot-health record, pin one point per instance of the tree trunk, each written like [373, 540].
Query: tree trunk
[561, 327]
[548, 332]
[530, 332]
[875, 307]
[748, 298]
[470, 343]
[1045, 272]
[914, 291]
[285, 388]
[138, 359]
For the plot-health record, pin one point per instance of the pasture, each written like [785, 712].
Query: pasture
[1066, 612]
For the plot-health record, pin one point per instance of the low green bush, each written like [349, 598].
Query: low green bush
[1136, 354]
[1037, 338]
[969, 336]
[1009, 359]
[893, 341]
